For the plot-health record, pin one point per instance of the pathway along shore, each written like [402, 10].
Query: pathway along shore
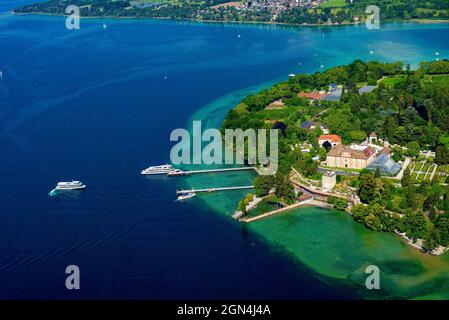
[309, 202]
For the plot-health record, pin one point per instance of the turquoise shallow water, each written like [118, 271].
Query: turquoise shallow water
[99, 105]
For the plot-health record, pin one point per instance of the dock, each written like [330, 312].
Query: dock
[178, 192]
[309, 202]
[185, 173]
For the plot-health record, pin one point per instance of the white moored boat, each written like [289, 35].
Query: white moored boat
[162, 169]
[186, 196]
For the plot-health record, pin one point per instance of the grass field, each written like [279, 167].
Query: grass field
[390, 82]
[333, 4]
[272, 114]
[441, 79]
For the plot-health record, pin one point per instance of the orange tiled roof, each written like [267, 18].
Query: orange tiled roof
[330, 137]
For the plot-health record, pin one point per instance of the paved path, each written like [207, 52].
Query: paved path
[310, 202]
[407, 161]
[213, 189]
[433, 172]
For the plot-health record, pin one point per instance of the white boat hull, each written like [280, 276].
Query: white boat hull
[70, 188]
[152, 173]
[180, 198]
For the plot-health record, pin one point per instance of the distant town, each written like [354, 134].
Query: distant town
[299, 12]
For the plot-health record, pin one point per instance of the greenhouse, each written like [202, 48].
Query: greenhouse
[385, 164]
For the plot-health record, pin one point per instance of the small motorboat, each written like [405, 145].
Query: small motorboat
[186, 196]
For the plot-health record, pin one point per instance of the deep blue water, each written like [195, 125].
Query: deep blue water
[98, 104]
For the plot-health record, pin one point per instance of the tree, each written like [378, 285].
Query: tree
[405, 181]
[410, 196]
[359, 212]
[322, 153]
[373, 222]
[357, 135]
[372, 189]
[390, 128]
[338, 203]
[284, 188]
[431, 238]
[377, 174]
[263, 184]
[415, 224]
[244, 202]
[446, 201]
[398, 154]
[388, 223]
[442, 225]
[442, 155]
[367, 187]
[413, 148]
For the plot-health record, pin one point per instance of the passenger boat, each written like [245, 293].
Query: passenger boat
[162, 169]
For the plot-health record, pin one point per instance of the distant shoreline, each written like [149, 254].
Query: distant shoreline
[343, 24]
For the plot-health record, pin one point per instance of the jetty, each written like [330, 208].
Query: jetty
[309, 202]
[185, 173]
[178, 192]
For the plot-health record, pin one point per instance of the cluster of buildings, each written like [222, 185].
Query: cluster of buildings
[278, 6]
[368, 154]
[359, 156]
[311, 124]
[333, 93]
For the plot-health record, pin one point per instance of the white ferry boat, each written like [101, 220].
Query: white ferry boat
[73, 185]
[186, 196]
[162, 169]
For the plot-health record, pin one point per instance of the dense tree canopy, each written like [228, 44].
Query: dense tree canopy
[409, 108]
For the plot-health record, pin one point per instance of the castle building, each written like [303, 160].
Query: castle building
[345, 157]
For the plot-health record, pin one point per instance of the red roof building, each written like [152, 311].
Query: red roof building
[333, 139]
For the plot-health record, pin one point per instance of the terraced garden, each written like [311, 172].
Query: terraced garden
[426, 170]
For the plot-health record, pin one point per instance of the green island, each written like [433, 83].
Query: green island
[302, 12]
[369, 138]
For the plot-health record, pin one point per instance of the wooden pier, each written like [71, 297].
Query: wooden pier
[185, 173]
[178, 192]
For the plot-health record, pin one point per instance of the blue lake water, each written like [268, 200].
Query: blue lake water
[98, 104]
